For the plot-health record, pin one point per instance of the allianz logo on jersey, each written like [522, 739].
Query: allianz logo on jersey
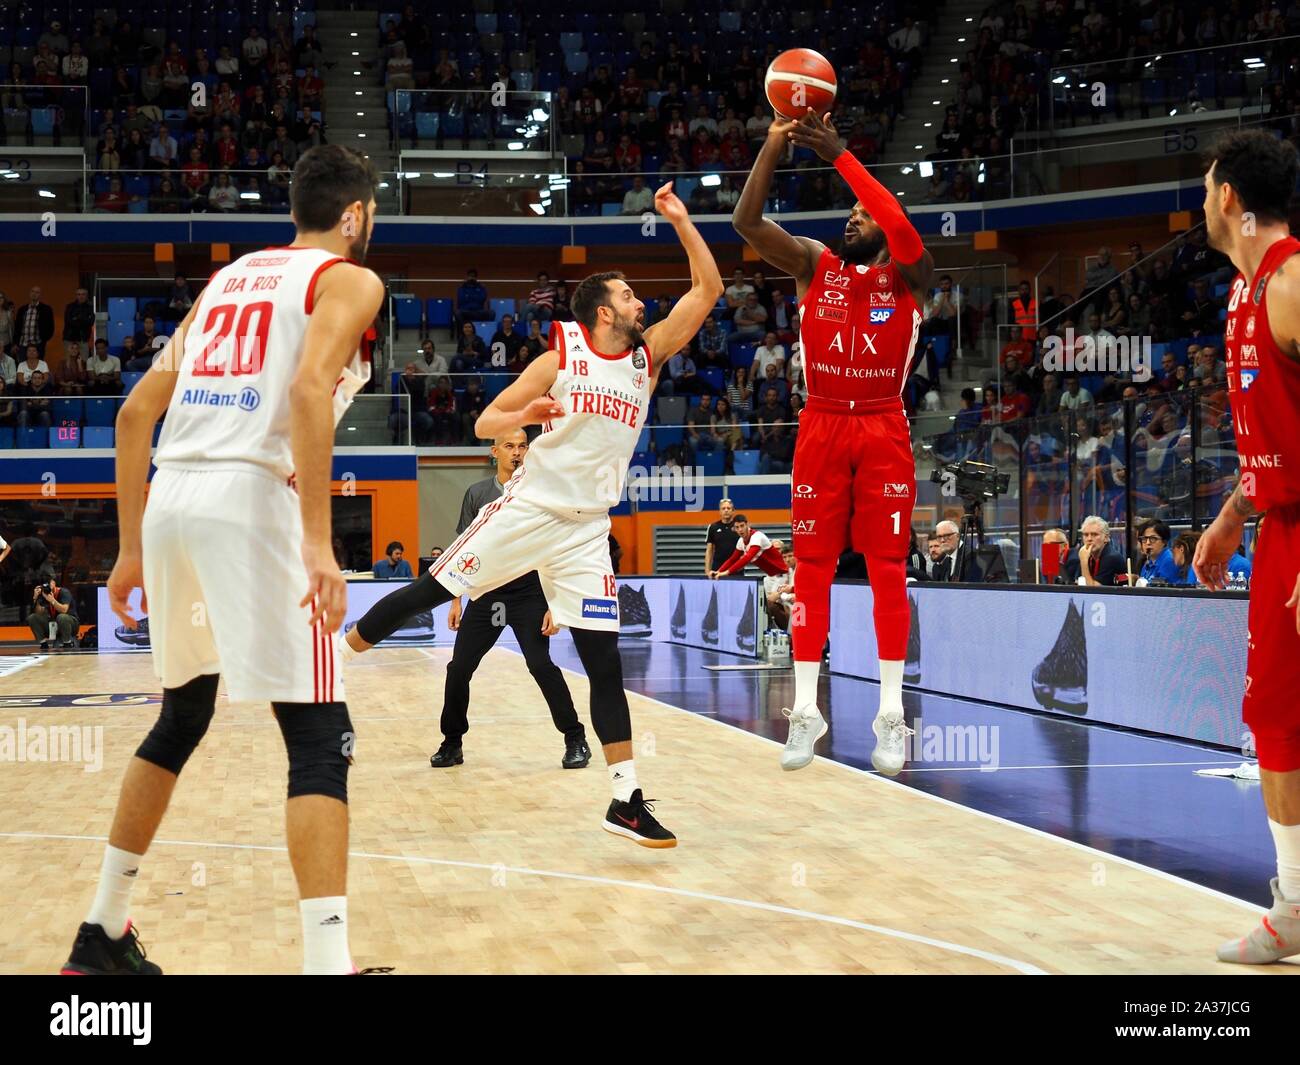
[246, 399]
[600, 608]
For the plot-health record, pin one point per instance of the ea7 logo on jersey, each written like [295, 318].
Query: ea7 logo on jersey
[468, 563]
[897, 490]
[836, 280]
[803, 528]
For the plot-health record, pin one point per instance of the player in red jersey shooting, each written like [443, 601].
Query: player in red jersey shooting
[1248, 188]
[854, 474]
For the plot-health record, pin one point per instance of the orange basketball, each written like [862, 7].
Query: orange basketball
[799, 79]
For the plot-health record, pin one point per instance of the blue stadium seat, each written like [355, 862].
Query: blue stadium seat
[715, 377]
[64, 436]
[97, 436]
[942, 349]
[121, 308]
[496, 383]
[610, 210]
[43, 121]
[67, 409]
[745, 463]
[129, 380]
[438, 312]
[6, 437]
[406, 309]
[33, 437]
[742, 354]
[426, 125]
[502, 306]
[667, 436]
[485, 330]
[101, 411]
[119, 331]
[713, 463]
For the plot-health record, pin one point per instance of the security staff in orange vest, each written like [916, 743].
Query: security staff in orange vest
[1024, 309]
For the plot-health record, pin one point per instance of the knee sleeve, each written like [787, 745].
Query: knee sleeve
[610, 716]
[889, 610]
[810, 617]
[1278, 751]
[186, 714]
[318, 738]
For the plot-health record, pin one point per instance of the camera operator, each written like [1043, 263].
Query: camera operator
[52, 603]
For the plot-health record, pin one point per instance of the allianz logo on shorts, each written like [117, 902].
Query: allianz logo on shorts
[600, 608]
[248, 399]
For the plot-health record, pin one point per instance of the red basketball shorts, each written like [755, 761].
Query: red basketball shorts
[1271, 706]
[854, 484]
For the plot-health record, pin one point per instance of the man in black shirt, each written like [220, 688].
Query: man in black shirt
[50, 603]
[506, 343]
[720, 540]
[519, 604]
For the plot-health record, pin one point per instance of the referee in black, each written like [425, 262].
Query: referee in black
[519, 604]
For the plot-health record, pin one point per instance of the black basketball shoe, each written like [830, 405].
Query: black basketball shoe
[1060, 680]
[633, 820]
[746, 631]
[709, 626]
[447, 755]
[576, 753]
[678, 622]
[94, 954]
[912, 666]
[634, 611]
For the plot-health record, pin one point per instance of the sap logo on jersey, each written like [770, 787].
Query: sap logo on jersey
[880, 315]
[600, 608]
[896, 490]
[468, 563]
[1248, 378]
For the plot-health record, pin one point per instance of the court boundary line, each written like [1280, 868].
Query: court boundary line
[1160, 873]
[1023, 967]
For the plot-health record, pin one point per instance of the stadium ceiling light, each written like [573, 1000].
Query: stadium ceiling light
[925, 169]
[353, 33]
[1173, 111]
[919, 147]
[537, 208]
[971, 19]
[356, 53]
[906, 170]
[361, 114]
[352, 428]
[515, 146]
[414, 174]
[539, 114]
[1060, 80]
[361, 135]
[358, 93]
[45, 194]
[936, 102]
[928, 125]
[250, 195]
[1158, 58]
[943, 81]
[961, 40]
[10, 175]
[711, 180]
[444, 174]
[383, 184]
[953, 59]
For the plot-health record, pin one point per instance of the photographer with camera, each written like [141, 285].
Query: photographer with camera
[52, 603]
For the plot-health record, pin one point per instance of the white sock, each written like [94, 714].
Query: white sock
[891, 687]
[1286, 838]
[325, 936]
[622, 778]
[805, 684]
[346, 651]
[117, 876]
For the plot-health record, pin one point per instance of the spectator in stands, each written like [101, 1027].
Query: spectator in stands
[737, 292]
[770, 412]
[8, 367]
[663, 307]
[284, 144]
[725, 426]
[563, 312]
[1183, 551]
[8, 420]
[1049, 401]
[739, 391]
[446, 418]
[222, 195]
[535, 343]
[134, 154]
[1115, 317]
[179, 300]
[307, 131]
[34, 323]
[1209, 368]
[947, 560]
[941, 311]
[78, 322]
[772, 379]
[133, 359]
[1202, 313]
[254, 51]
[411, 385]
[392, 565]
[114, 200]
[1158, 561]
[769, 353]
[470, 404]
[699, 425]
[1099, 276]
[104, 374]
[750, 319]
[540, 304]
[781, 313]
[168, 199]
[506, 343]
[471, 303]
[815, 195]
[70, 377]
[1098, 561]
[36, 401]
[399, 70]
[471, 352]
[1075, 395]
[638, 199]
[6, 324]
[776, 450]
[149, 341]
[430, 365]
[163, 150]
[682, 373]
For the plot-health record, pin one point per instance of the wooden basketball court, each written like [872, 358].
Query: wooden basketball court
[500, 865]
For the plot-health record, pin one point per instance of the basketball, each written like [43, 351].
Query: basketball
[799, 79]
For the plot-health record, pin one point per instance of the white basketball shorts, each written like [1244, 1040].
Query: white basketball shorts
[510, 537]
[223, 575]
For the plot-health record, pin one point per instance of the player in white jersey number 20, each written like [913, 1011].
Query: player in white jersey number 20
[590, 393]
[238, 573]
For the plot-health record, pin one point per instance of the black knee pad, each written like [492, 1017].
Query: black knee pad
[186, 714]
[319, 739]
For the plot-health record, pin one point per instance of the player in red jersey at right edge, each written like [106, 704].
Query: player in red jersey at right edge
[1248, 188]
[860, 312]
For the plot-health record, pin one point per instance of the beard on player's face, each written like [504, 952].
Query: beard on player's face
[628, 326]
[862, 247]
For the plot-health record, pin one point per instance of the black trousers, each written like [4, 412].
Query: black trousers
[481, 626]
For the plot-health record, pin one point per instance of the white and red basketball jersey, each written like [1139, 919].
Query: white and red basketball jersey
[1263, 388]
[577, 467]
[231, 403]
[759, 550]
[858, 326]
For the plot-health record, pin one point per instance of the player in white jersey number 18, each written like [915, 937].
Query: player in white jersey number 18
[591, 393]
[238, 571]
